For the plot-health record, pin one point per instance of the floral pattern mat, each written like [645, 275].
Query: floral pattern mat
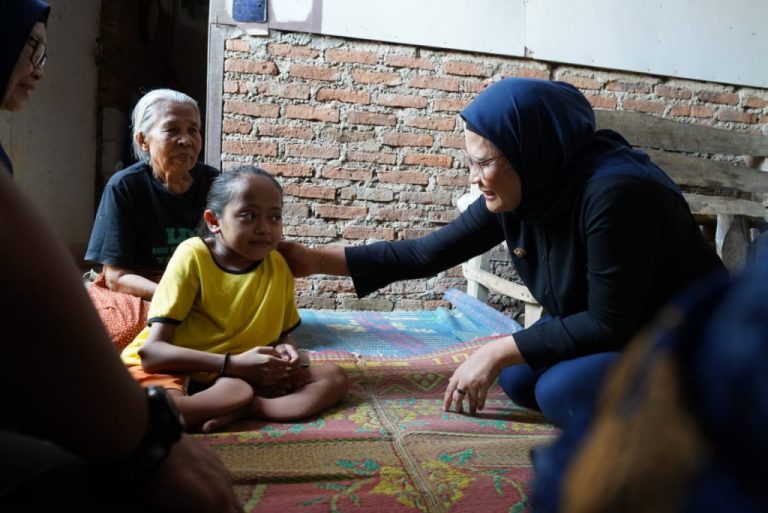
[389, 447]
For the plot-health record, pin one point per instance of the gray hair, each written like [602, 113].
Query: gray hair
[144, 115]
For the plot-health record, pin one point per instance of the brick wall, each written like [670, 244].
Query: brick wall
[366, 140]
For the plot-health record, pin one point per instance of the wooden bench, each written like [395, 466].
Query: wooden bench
[718, 170]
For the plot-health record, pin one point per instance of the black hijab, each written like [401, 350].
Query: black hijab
[17, 19]
[546, 130]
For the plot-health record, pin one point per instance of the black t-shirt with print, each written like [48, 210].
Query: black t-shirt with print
[139, 222]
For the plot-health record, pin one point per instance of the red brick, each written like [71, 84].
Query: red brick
[438, 83]
[628, 87]
[376, 77]
[404, 139]
[400, 214]
[451, 141]
[678, 93]
[292, 51]
[653, 107]
[309, 230]
[296, 210]
[311, 152]
[476, 86]
[426, 198]
[526, 72]
[414, 178]
[581, 82]
[413, 233]
[680, 111]
[340, 212]
[258, 110]
[234, 126]
[443, 217]
[401, 61]
[343, 95]
[435, 304]
[425, 159]
[737, 116]
[237, 45]
[377, 157]
[285, 131]
[755, 102]
[315, 303]
[235, 87]
[366, 194]
[346, 173]
[602, 102]
[314, 72]
[288, 91]
[371, 118]
[458, 179]
[360, 57]
[442, 124]
[450, 104]
[698, 111]
[402, 100]
[466, 69]
[309, 191]
[280, 169]
[325, 114]
[336, 285]
[361, 232]
[249, 148]
[719, 97]
[251, 66]
[409, 305]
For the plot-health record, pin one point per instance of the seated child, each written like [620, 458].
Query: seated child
[222, 313]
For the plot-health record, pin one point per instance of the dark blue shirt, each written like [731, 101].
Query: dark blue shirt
[601, 269]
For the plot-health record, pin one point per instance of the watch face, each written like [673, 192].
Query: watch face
[165, 418]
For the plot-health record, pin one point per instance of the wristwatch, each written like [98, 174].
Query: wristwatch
[166, 426]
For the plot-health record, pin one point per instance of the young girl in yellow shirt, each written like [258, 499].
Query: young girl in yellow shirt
[221, 315]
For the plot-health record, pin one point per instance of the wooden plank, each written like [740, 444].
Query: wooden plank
[654, 132]
[714, 174]
[714, 205]
[500, 285]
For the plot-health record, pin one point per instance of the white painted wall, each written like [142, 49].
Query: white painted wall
[52, 141]
[708, 40]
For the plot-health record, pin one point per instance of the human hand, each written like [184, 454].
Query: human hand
[472, 379]
[300, 258]
[290, 354]
[192, 479]
[260, 366]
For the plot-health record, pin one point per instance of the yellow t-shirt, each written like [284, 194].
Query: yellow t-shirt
[220, 311]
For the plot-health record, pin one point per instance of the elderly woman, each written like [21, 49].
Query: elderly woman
[147, 209]
[565, 196]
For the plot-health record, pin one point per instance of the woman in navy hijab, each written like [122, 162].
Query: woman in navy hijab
[22, 55]
[600, 235]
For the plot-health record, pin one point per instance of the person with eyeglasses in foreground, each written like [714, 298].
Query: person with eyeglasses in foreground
[600, 235]
[77, 432]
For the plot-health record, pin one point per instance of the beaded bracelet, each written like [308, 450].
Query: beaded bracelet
[223, 365]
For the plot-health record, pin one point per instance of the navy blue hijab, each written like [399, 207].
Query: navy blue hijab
[546, 130]
[17, 19]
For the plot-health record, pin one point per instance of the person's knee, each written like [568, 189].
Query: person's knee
[239, 392]
[518, 383]
[336, 378]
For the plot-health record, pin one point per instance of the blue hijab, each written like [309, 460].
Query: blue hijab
[546, 130]
[17, 19]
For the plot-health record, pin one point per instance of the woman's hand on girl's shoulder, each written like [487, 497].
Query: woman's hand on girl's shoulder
[299, 258]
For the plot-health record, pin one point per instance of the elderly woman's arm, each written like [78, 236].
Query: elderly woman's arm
[128, 282]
